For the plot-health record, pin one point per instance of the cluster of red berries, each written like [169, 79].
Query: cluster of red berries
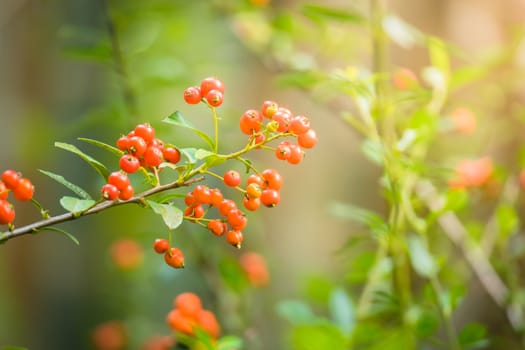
[22, 189]
[188, 315]
[210, 90]
[172, 256]
[279, 120]
[141, 149]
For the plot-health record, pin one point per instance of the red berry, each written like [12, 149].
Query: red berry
[129, 163]
[4, 191]
[189, 200]
[174, 258]
[11, 179]
[110, 192]
[189, 304]
[153, 156]
[171, 154]
[296, 154]
[217, 227]
[237, 220]
[192, 95]
[24, 191]
[270, 197]
[251, 203]
[123, 143]
[216, 197]
[256, 179]
[137, 146]
[269, 108]
[145, 131]
[299, 125]
[209, 84]
[235, 238]
[308, 139]
[178, 322]
[214, 98]
[226, 206]
[283, 120]
[195, 211]
[202, 194]
[207, 322]
[283, 151]
[272, 178]
[7, 212]
[232, 178]
[253, 190]
[126, 193]
[250, 122]
[161, 245]
[120, 180]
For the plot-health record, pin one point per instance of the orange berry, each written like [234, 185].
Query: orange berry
[179, 322]
[127, 254]
[404, 79]
[207, 321]
[463, 121]
[254, 266]
[189, 304]
[110, 335]
[174, 258]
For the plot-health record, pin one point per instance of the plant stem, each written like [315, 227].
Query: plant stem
[138, 199]
[130, 99]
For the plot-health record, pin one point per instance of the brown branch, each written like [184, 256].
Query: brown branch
[138, 199]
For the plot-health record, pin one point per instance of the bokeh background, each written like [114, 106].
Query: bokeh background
[58, 83]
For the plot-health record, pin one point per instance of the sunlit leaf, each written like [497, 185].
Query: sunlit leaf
[422, 261]
[295, 311]
[473, 336]
[60, 179]
[331, 13]
[342, 310]
[178, 119]
[401, 32]
[317, 336]
[102, 145]
[439, 56]
[171, 215]
[95, 164]
[229, 342]
[76, 205]
[508, 220]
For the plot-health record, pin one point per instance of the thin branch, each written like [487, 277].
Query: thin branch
[129, 95]
[138, 199]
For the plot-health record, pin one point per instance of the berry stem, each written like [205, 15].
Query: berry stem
[138, 199]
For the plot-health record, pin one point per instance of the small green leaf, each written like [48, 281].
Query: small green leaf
[422, 261]
[60, 179]
[99, 167]
[301, 79]
[318, 336]
[76, 205]
[177, 119]
[229, 342]
[202, 154]
[65, 233]
[189, 153]
[171, 215]
[102, 145]
[473, 336]
[316, 12]
[296, 312]
[361, 216]
[342, 310]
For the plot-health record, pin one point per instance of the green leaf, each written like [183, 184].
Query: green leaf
[211, 158]
[177, 119]
[473, 336]
[342, 310]
[171, 215]
[229, 342]
[401, 32]
[422, 261]
[317, 336]
[12, 347]
[65, 233]
[439, 56]
[102, 145]
[300, 79]
[99, 167]
[361, 216]
[232, 274]
[76, 205]
[60, 179]
[373, 150]
[189, 153]
[295, 311]
[508, 220]
[317, 12]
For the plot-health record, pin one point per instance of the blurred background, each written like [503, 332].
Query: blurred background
[59, 82]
